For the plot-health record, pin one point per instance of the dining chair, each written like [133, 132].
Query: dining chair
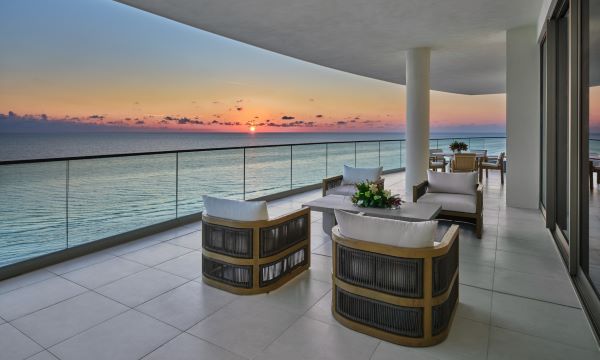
[492, 163]
[464, 162]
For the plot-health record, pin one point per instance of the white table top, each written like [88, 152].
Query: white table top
[406, 212]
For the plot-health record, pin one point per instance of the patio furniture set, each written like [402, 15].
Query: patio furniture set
[394, 270]
[476, 160]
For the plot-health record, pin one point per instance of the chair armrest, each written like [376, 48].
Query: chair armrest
[449, 238]
[479, 195]
[289, 216]
[331, 182]
[419, 190]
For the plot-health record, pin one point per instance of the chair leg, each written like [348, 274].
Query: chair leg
[479, 226]
[480, 175]
[487, 173]
[501, 177]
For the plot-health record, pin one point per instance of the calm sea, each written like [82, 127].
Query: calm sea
[50, 206]
[36, 146]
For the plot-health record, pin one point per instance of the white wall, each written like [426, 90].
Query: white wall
[522, 117]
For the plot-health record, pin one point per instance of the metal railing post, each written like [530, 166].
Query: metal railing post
[176, 185]
[326, 158]
[355, 154]
[67, 175]
[379, 152]
[291, 165]
[400, 159]
[244, 177]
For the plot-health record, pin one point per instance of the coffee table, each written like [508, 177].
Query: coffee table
[406, 212]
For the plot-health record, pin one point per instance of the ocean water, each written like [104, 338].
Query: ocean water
[54, 205]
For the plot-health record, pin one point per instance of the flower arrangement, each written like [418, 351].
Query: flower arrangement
[458, 146]
[370, 194]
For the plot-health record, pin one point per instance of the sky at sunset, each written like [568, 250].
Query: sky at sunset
[97, 64]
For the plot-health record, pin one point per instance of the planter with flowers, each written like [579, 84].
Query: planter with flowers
[458, 146]
[369, 194]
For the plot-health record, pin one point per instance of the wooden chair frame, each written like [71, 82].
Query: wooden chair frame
[438, 158]
[474, 218]
[464, 157]
[436, 304]
[498, 166]
[253, 262]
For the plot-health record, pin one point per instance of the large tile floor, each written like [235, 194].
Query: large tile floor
[146, 299]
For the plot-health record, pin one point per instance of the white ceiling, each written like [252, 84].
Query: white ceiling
[368, 37]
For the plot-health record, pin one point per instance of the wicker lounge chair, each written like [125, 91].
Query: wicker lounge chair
[254, 256]
[495, 164]
[465, 162]
[403, 295]
[459, 195]
[346, 184]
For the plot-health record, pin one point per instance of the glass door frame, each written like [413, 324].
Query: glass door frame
[575, 251]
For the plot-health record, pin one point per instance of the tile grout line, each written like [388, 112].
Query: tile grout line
[33, 283]
[489, 337]
[543, 338]
[295, 321]
[27, 336]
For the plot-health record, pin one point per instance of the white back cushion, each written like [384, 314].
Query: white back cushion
[452, 183]
[235, 209]
[358, 175]
[386, 231]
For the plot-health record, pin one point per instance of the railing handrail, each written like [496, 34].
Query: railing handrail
[163, 152]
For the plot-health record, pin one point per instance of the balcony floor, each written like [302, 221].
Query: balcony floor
[146, 299]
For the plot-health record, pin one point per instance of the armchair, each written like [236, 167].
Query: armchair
[404, 294]
[246, 252]
[346, 184]
[487, 165]
[459, 195]
[437, 162]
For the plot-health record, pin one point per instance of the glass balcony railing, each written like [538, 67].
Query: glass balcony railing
[595, 147]
[55, 204]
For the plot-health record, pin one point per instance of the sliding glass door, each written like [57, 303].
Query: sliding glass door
[570, 124]
[590, 240]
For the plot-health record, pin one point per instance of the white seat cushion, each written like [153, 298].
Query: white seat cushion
[346, 190]
[357, 175]
[386, 231]
[452, 183]
[235, 209]
[437, 163]
[451, 202]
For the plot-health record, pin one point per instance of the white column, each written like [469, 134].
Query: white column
[522, 117]
[417, 117]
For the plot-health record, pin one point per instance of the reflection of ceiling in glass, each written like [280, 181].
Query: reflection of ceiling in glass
[594, 42]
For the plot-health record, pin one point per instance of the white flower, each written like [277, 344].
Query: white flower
[387, 193]
[373, 188]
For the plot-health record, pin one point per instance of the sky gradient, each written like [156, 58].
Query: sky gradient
[93, 64]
